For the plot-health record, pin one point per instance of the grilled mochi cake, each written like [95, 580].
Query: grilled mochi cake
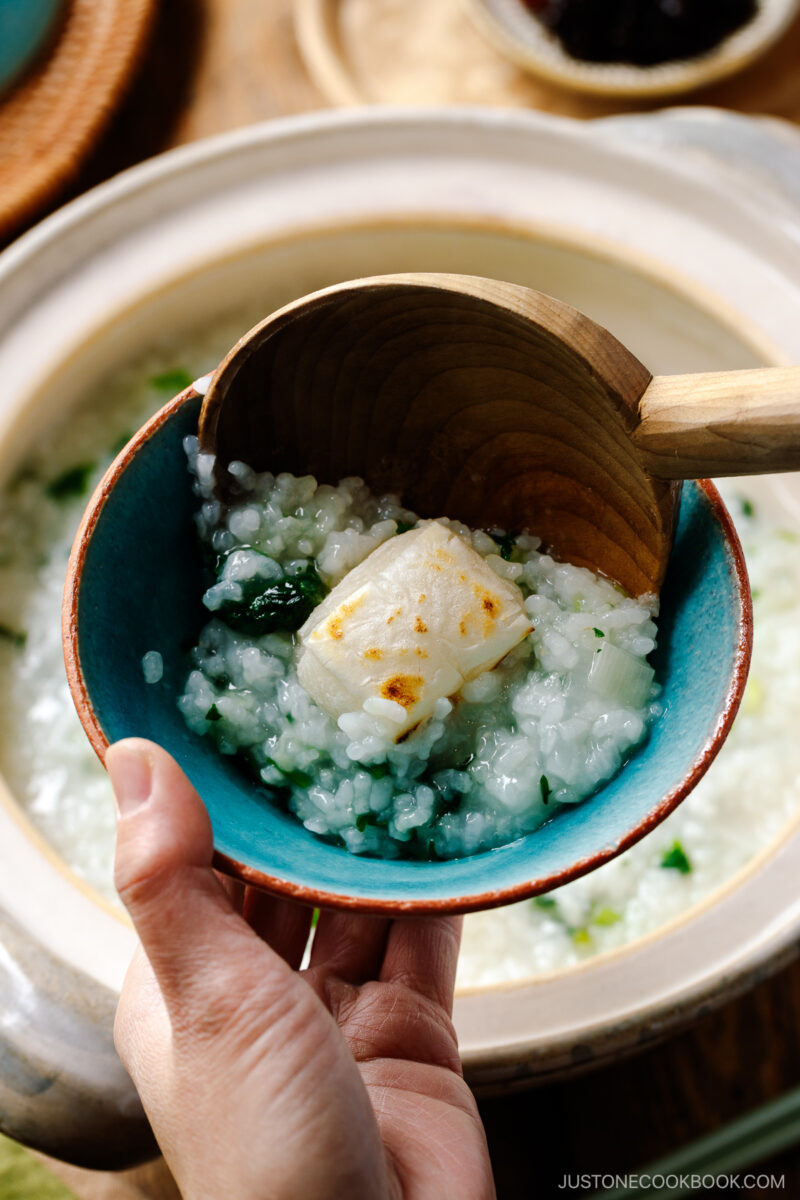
[412, 623]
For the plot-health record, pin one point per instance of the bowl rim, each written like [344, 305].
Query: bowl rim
[544, 56]
[117, 43]
[316, 897]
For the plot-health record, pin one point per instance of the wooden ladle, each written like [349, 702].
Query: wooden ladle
[499, 406]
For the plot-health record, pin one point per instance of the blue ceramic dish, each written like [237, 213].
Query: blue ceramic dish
[134, 585]
[25, 28]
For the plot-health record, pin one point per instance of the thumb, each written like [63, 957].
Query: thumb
[163, 868]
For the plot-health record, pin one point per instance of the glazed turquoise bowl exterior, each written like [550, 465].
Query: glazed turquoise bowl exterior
[25, 27]
[134, 585]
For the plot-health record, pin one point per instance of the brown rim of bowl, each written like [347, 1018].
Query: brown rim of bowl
[55, 113]
[303, 894]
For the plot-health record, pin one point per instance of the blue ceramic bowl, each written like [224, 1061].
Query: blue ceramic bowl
[134, 584]
[25, 28]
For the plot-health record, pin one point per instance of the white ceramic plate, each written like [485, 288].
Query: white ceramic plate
[691, 273]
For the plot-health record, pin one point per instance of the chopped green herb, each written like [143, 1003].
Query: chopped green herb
[121, 442]
[315, 918]
[300, 779]
[507, 544]
[606, 916]
[788, 535]
[25, 475]
[16, 637]
[213, 714]
[378, 770]
[754, 695]
[277, 606]
[748, 509]
[755, 593]
[581, 937]
[171, 382]
[598, 632]
[296, 777]
[404, 526]
[675, 859]
[545, 789]
[70, 483]
[365, 819]
[544, 902]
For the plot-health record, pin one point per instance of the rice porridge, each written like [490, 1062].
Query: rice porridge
[750, 792]
[448, 695]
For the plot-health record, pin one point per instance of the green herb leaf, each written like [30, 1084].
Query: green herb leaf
[378, 770]
[547, 903]
[296, 777]
[121, 442]
[365, 819]
[748, 509]
[300, 779]
[507, 543]
[598, 632]
[606, 916]
[213, 714]
[581, 937]
[315, 918]
[754, 695]
[26, 474]
[171, 382]
[404, 526]
[15, 636]
[545, 789]
[70, 483]
[676, 859]
[268, 608]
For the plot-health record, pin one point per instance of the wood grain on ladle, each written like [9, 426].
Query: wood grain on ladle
[721, 423]
[477, 400]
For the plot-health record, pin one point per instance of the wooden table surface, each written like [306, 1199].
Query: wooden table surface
[212, 65]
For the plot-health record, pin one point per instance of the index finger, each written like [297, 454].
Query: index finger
[422, 954]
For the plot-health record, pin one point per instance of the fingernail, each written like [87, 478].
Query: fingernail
[131, 774]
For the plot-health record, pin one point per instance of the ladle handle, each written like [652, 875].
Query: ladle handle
[720, 423]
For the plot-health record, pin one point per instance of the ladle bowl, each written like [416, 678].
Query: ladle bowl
[496, 405]
[451, 432]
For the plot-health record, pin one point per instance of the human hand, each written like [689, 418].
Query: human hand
[340, 1082]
